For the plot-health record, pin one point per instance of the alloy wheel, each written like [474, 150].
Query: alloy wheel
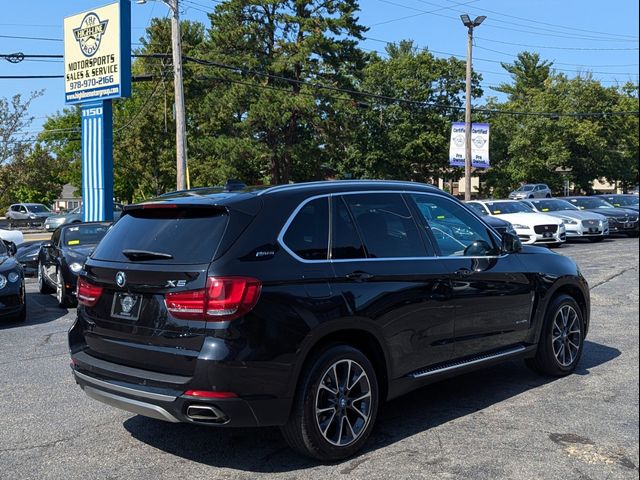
[565, 335]
[59, 293]
[343, 403]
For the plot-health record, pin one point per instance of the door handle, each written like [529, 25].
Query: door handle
[358, 276]
[463, 272]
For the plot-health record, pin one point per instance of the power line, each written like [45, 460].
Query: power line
[629, 38]
[418, 47]
[514, 55]
[555, 47]
[534, 32]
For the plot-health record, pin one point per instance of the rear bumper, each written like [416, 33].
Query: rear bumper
[162, 396]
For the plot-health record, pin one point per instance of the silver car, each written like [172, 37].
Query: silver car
[531, 190]
[27, 214]
[577, 223]
[75, 216]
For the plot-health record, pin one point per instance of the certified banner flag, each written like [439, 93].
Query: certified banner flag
[479, 145]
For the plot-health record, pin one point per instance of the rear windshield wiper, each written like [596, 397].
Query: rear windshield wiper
[145, 255]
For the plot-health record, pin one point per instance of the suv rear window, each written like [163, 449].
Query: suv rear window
[188, 235]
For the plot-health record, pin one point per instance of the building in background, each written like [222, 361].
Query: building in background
[68, 200]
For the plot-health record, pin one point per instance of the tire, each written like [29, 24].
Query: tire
[303, 431]
[547, 195]
[596, 239]
[531, 196]
[559, 357]
[61, 292]
[554, 245]
[43, 286]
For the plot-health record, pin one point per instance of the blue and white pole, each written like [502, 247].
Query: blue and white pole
[97, 161]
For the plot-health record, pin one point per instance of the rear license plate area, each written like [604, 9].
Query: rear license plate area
[126, 306]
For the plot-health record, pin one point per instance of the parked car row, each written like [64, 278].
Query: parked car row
[552, 221]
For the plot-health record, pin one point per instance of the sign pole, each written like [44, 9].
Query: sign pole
[97, 62]
[97, 161]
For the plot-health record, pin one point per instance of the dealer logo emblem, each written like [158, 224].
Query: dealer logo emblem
[121, 279]
[89, 34]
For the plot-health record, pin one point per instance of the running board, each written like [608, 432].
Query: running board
[435, 370]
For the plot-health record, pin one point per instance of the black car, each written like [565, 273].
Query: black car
[621, 220]
[61, 259]
[619, 200]
[306, 306]
[27, 255]
[13, 306]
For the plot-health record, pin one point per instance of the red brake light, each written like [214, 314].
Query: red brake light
[87, 293]
[224, 298]
[159, 205]
[209, 394]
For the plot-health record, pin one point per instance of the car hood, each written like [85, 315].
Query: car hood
[530, 218]
[577, 214]
[79, 254]
[614, 212]
[7, 263]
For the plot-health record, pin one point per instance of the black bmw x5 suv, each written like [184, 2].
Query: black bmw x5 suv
[306, 306]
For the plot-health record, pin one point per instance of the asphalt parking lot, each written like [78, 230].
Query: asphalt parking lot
[503, 422]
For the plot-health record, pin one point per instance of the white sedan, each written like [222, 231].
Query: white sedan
[531, 227]
[14, 236]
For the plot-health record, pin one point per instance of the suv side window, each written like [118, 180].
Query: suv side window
[454, 229]
[308, 234]
[345, 239]
[386, 225]
[22, 209]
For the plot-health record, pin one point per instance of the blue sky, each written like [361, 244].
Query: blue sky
[578, 36]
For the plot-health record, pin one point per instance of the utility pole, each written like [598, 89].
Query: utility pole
[181, 126]
[466, 20]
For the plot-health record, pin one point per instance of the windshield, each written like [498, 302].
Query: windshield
[498, 208]
[623, 200]
[526, 188]
[479, 209]
[82, 235]
[590, 203]
[38, 208]
[552, 205]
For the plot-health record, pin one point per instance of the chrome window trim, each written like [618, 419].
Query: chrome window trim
[284, 229]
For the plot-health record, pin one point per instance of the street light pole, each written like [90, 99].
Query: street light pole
[467, 111]
[181, 127]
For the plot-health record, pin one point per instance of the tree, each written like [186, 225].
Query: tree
[276, 121]
[36, 177]
[405, 140]
[528, 73]
[14, 119]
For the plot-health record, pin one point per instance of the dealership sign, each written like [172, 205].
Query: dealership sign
[479, 145]
[97, 57]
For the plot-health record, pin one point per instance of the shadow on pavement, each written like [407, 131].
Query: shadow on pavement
[40, 309]
[263, 450]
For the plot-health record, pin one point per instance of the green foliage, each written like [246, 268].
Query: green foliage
[264, 129]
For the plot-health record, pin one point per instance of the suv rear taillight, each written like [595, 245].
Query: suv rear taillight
[87, 293]
[224, 298]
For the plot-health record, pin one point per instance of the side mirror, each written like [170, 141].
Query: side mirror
[510, 243]
[11, 247]
[46, 245]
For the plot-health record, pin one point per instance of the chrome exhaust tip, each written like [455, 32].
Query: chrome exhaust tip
[206, 413]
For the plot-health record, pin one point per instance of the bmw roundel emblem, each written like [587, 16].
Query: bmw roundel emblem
[121, 279]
